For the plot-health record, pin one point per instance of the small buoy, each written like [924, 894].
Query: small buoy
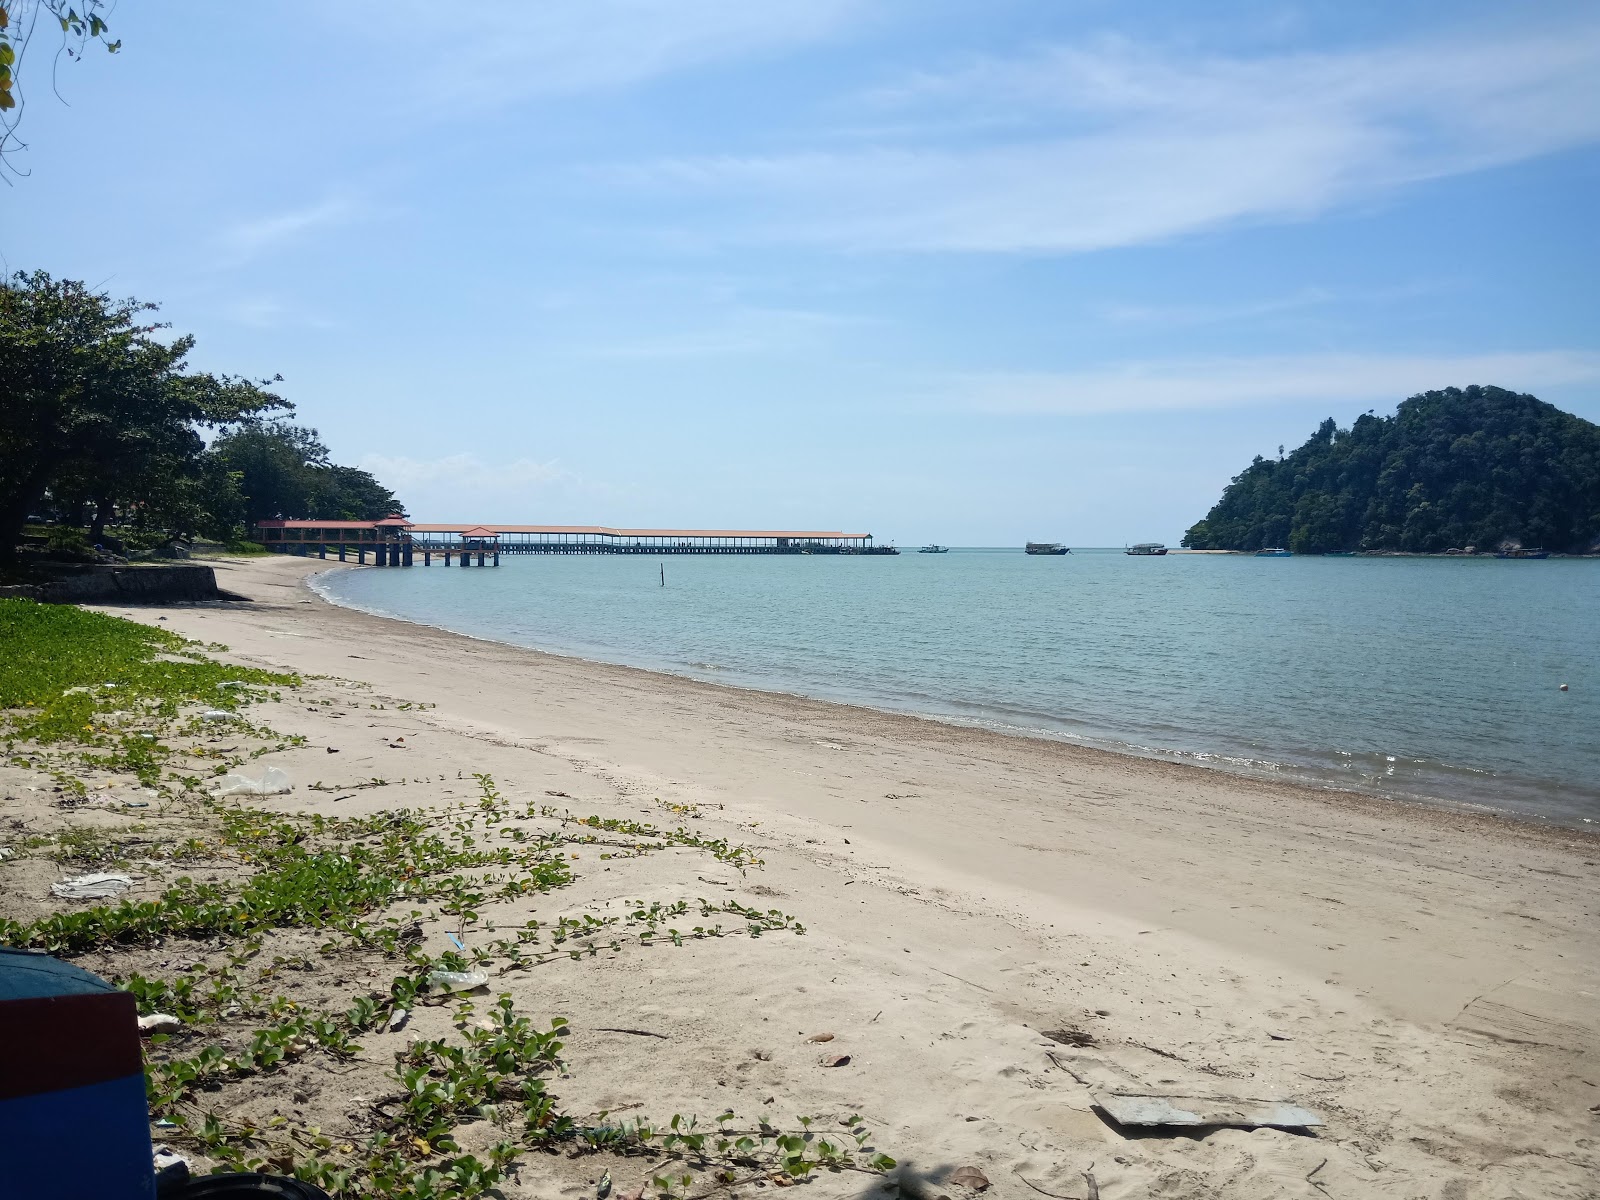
[1563, 687]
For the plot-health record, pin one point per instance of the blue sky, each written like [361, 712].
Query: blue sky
[966, 272]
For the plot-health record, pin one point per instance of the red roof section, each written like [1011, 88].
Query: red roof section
[592, 530]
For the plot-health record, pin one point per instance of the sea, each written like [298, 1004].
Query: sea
[1431, 679]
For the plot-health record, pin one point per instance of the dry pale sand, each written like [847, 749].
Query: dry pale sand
[1425, 980]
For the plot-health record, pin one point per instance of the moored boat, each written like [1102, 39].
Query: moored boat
[1045, 548]
[1144, 548]
[1523, 552]
[1274, 552]
[934, 548]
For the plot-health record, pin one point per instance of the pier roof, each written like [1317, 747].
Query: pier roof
[615, 532]
[477, 530]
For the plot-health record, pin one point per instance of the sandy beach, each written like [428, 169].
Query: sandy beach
[1426, 981]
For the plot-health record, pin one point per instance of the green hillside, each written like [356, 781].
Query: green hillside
[1479, 467]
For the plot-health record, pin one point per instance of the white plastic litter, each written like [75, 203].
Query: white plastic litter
[254, 781]
[398, 1018]
[215, 714]
[100, 886]
[171, 1168]
[456, 981]
[159, 1023]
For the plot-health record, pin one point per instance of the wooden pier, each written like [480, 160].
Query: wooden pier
[396, 542]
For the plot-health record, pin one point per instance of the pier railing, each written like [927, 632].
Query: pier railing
[396, 541]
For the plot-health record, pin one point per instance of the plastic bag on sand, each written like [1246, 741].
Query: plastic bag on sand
[91, 887]
[253, 781]
[456, 981]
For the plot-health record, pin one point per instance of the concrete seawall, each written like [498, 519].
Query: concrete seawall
[176, 583]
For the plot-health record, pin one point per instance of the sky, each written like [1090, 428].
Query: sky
[974, 273]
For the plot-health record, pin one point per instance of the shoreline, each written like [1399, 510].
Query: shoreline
[1287, 775]
[1422, 978]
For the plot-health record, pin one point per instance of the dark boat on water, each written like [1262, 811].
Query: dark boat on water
[1146, 548]
[1045, 548]
[934, 548]
[1274, 552]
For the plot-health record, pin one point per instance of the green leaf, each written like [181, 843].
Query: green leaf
[7, 54]
[6, 101]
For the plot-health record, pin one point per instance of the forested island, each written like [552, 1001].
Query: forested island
[1480, 467]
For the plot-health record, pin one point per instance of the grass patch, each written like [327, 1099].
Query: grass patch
[92, 681]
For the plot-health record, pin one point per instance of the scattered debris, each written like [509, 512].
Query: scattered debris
[1247, 1112]
[456, 981]
[159, 1023]
[254, 781]
[1040, 1190]
[216, 714]
[100, 886]
[604, 1189]
[1069, 1037]
[820, 1037]
[835, 1060]
[171, 1168]
[635, 1032]
[970, 1178]
[398, 1019]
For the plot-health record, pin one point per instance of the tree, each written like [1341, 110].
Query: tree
[98, 406]
[1478, 466]
[284, 471]
[19, 21]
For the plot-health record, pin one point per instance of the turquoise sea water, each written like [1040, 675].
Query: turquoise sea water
[1432, 678]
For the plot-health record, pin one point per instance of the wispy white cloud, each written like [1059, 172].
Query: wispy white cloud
[467, 487]
[504, 50]
[1113, 144]
[249, 238]
[1282, 379]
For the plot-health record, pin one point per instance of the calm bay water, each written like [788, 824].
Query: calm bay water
[1433, 678]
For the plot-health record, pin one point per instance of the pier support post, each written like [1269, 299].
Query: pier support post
[427, 558]
[361, 554]
[480, 558]
[322, 550]
[408, 553]
[497, 558]
[447, 558]
[341, 551]
[379, 555]
[466, 558]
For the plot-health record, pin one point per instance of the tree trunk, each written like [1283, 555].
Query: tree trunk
[102, 514]
[14, 506]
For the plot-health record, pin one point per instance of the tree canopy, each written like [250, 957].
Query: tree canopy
[284, 471]
[1480, 466]
[101, 411]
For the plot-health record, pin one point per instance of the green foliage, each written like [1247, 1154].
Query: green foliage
[283, 471]
[67, 671]
[17, 18]
[99, 410]
[1479, 467]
